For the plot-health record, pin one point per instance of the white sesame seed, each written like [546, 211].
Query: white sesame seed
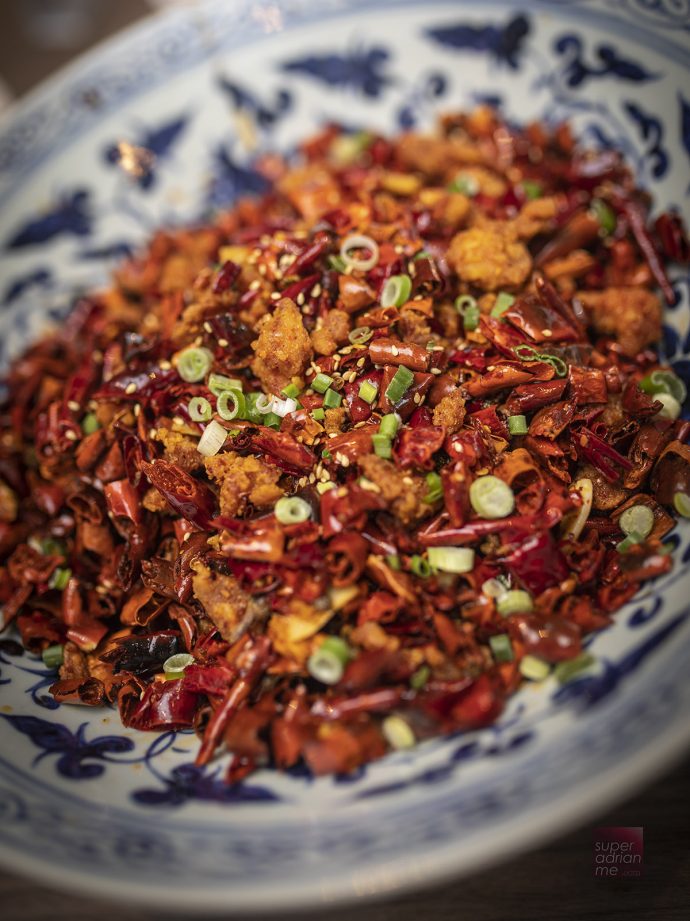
[164, 365]
[208, 327]
[547, 333]
[223, 343]
[275, 295]
[417, 398]
[71, 436]
[312, 478]
[300, 299]
[435, 371]
[255, 285]
[73, 405]
[316, 290]
[131, 388]
[395, 350]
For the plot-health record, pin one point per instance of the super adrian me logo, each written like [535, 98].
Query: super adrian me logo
[618, 852]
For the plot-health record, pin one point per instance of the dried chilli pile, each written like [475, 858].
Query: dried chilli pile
[337, 471]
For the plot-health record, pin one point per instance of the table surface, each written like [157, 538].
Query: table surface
[555, 882]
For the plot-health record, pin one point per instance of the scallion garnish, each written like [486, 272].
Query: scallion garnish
[527, 353]
[638, 519]
[396, 291]
[681, 503]
[468, 308]
[174, 666]
[605, 214]
[670, 408]
[382, 445]
[573, 668]
[272, 420]
[212, 439]
[465, 184]
[435, 488]
[451, 559]
[517, 425]
[501, 647]
[321, 383]
[292, 510]
[53, 656]
[231, 404]
[319, 414]
[531, 189]
[90, 424]
[398, 733]
[60, 578]
[199, 409]
[502, 303]
[292, 391]
[491, 497]
[368, 391]
[515, 601]
[534, 668]
[337, 264]
[219, 382]
[420, 567]
[360, 334]
[332, 399]
[328, 663]
[393, 560]
[389, 425]
[664, 382]
[399, 385]
[355, 242]
[420, 678]
[193, 364]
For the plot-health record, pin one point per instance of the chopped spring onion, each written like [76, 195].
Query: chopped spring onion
[332, 399]
[53, 656]
[638, 519]
[605, 214]
[341, 595]
[326, 666]
[60, 578]
[231, 404]
[451, 559]
[491, 498]
[368, 391]
[526, 353]
[398, 733]
[494, 588]
[335, 644]
[251, 412]
[420, 567]
[382, 445]
[389, 425]
[263, 404]
[396, 291]
[194, 364]
[681, 503]
[420, 678]
[272, 420]
[319, 414]
[664, 382]
[326, 454]
[501, 647]
[394, 562]
[516, 601]
[670, 409]
[199, 409]
[219, 382]
[399, 385]
[422, 254]
[291, 391]
[283, 408]
[212, 439]
[572, 668]
[433, 481]
[574, 523]
[337, 264]
[502, 303]
[48, 546]
[468, 308]
[292, 510]
[360, 335]
[629, 542]
[175, 665]
[517, 425]
[358, 241]
[466, 184]
[535, 669]
[321, 383]
[531, 189]
[90, 424]
[346, 148]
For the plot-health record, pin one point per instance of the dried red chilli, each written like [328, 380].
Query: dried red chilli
[124, 544]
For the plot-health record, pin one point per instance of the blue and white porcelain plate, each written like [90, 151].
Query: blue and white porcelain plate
[88, 805]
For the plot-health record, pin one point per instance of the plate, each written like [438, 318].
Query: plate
[90, 806]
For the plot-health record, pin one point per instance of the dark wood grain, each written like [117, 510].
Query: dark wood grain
[554, 883]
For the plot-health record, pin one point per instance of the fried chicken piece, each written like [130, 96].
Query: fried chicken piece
[230, 608]
[490, 257]
[283, 350]
[404, 493]
[333, 332]
[631, 315]
[9, 504]
[450, 412]
[536, 216]
[242, 480]
[179, 449]
[312, 191]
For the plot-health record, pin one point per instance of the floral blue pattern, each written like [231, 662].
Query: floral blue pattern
[80, 802]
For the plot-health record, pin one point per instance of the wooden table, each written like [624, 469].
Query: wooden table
[551, 884]
[555, 883]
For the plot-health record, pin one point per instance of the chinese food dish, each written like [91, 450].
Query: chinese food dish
[340, 469]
